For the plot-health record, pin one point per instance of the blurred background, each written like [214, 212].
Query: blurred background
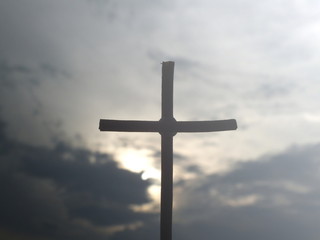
[66, 64]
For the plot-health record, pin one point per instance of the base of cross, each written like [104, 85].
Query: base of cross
[167, 126]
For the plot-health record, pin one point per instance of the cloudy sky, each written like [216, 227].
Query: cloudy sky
[66, 64]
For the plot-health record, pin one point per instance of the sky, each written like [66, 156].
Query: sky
[64, 65]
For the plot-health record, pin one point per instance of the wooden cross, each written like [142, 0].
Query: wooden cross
[167, 126]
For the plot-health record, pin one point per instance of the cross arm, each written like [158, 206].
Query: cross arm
[128, 126]
[206, 126]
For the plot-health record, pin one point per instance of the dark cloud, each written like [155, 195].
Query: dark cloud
[79, 175]
[276, 197]
[194, 169]
[65, 192]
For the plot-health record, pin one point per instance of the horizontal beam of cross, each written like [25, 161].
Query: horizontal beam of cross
[165, 126]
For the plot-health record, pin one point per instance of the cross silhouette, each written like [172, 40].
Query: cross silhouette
[167, 126]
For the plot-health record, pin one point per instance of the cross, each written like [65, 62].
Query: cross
[167, 126]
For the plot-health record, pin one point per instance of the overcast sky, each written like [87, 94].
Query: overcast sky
[66, 64]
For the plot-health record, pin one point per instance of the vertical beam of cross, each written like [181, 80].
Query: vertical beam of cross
[166, 151]
[167, 126]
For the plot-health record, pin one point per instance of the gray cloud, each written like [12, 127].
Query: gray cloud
[53, 192]
[275, 197]
[21, 106]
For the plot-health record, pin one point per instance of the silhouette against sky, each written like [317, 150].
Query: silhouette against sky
[65, 64]
[168, 127]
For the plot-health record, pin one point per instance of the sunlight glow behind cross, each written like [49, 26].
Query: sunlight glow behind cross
[139, 161]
